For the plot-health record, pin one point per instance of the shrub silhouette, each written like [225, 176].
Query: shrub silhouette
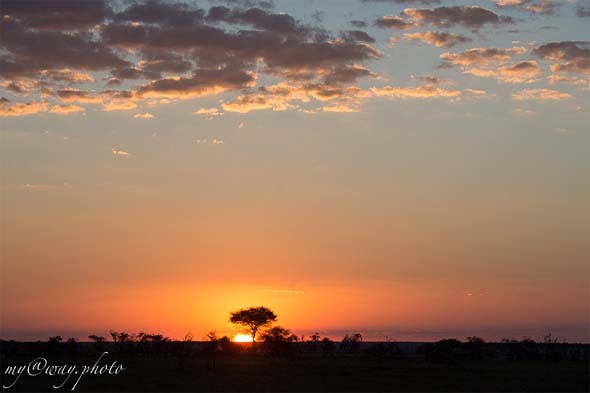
[99, 342]
[278, 340]
[445, 351]
[351, 343]
[475, 347]
[327, 346]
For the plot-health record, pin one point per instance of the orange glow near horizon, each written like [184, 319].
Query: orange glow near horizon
[242, 338]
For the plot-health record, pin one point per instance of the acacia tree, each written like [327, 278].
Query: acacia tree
[253, 318]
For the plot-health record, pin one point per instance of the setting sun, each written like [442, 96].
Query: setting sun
[242, 338]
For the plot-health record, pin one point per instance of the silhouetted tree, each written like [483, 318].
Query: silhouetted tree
[277, 339]
[475, 347]
[99, 342]
[183, 351]
[313, 343]
[121, 337]
[443, 351]
[53, 344]
[328, 346]
[551, 348]
[212, 347]
[253, 318]
[351, 343]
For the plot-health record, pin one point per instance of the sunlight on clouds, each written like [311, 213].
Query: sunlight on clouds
[122, 153]
[65, 110]
[145, 115]
[119, 106]
[540, 94]
[21, 109]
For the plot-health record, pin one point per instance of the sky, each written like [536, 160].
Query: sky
[416, 169]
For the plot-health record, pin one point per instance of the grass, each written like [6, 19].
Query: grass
[310, 372]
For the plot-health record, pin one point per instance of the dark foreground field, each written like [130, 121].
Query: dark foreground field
[370, 368]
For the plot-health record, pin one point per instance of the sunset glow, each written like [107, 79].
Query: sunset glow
[242, 338]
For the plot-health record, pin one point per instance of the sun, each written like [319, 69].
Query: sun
[242, 338]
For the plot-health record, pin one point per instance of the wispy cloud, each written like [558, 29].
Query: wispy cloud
[145, 115]
[121, 153]
[540, 94]
[65, 110]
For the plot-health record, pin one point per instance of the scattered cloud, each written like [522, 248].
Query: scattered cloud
[78, 96]
[473, 17]
[393, 22]
[521, 72]
[208, 112]
[119, 105]
[573, 56]
[482, 56]
[419, 92]
[540, 94]
[121, 153]
[9, 109]
[439, 39]
[521, 112]
[65, 110]
[533, 6]
[213, 141]
[145, 115]
[556, 79]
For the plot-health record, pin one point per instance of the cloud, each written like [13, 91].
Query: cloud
[169, 50]
[38, 187]
[540, 94]
[283, 96]
[476, 92]
[439, 39]
[145, 115]
[342, 107]
[583, 12]
[555, 79]
[393, 22]
[535, 7]
[66, 75]
[248, 103]
[120, 153]
[209, 112]
[473, 17]
[31, 51]
[524, 112]
[8, 109]
[521, 72]
[213, 141]
[481, 56]
[66, 110]
[573, 56]
[78, 96]
[57, 15]
[419, 92]
[119, 105]
[201, 83]
[356, 36]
